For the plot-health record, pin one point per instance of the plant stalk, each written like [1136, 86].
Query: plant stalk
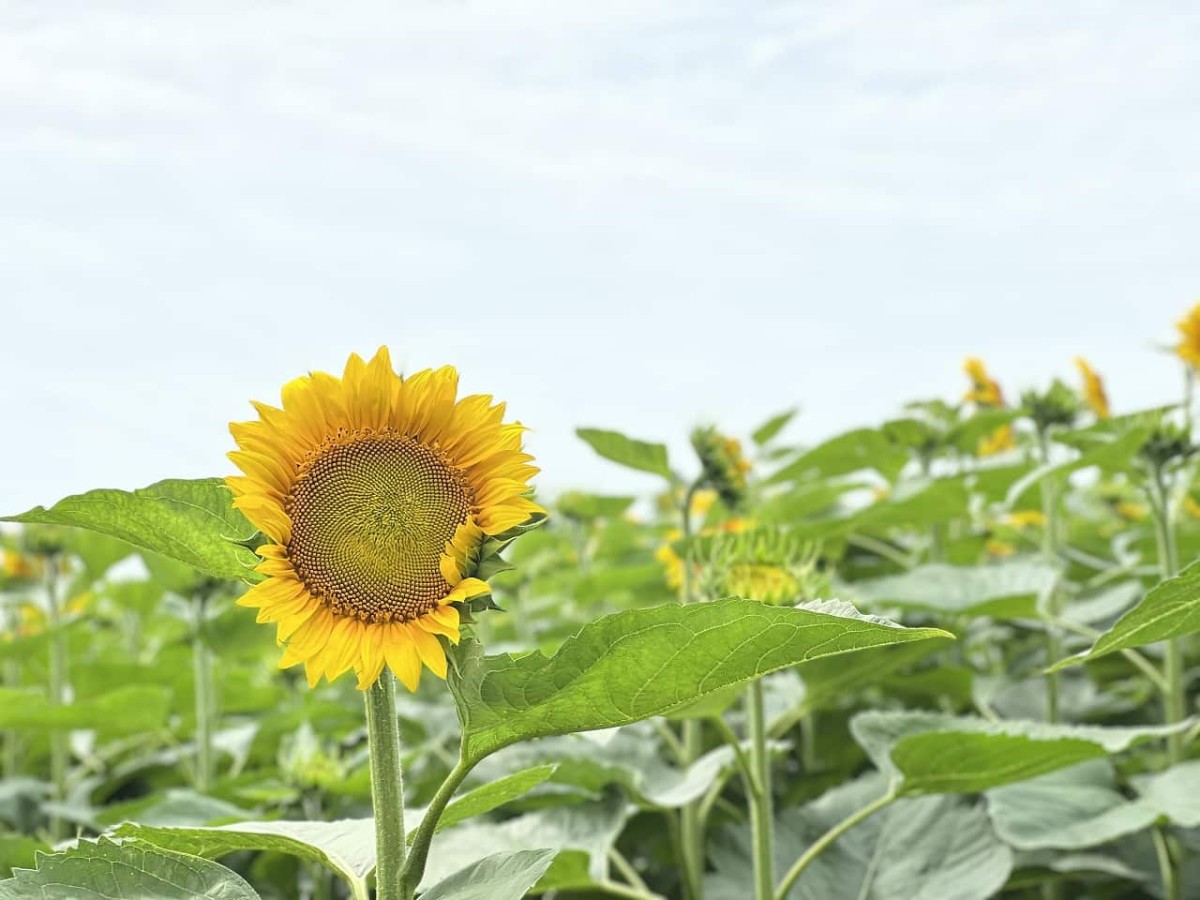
[204, 700]
[387, 789]
[821, 843]
[762, 813]
[12, 679]
[59, 748]
[1050, 547]
[691, 830]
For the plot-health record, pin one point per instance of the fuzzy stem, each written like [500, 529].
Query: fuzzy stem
[761, 799]
[418, 851]
[59, 747]
[387, 789]
[821, 843]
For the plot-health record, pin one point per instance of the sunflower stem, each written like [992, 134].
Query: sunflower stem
[387, 789]
[1050, 547]
[691, 822]
[59, 749]
[12, 679]
[761, 799]
[203, 698]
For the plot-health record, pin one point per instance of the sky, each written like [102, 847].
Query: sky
[631, 215]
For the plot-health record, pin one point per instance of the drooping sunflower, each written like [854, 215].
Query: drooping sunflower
[376, 494]
[725, 467]
[1093, 389]
[985, 390]
[1188, 348]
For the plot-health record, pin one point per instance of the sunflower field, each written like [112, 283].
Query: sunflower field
[948, 656]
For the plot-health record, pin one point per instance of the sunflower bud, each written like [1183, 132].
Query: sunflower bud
[1056, 406]
[725, 469]
[767, 565]
[1167, 444]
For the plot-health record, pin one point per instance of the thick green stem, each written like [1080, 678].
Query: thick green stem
[818, 847]
[12, 679]
[1050, 547]
[387, 789]
[204, 700]
[691, 822]
[59, 748]
[761, 799]
[418, 851]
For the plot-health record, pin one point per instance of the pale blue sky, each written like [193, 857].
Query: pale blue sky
[630, 214]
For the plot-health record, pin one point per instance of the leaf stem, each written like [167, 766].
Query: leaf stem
[203, 697]
[1050, 547]
[387, 789]
[819, 846]
[1172, 888]
[761, 799]
[625, 867]
[418, 851]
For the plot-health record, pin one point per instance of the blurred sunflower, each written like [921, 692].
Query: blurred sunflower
[725, 467]
[985, 390]
[19, 566]
[1093, 389]
[1188, 348]
[376, 494]
[998, 441]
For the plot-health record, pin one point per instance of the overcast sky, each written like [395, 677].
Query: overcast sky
[639, 215]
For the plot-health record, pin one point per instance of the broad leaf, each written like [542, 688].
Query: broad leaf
[1006, 590]
[1170, 610]
[863, 448]
[126, 710]
[107, 870]
[635, 454]
[1109, 452]
[193, 522]
[492, 795]
[932, 753]
[642, 663]
[769, 430]
[502, 876]
[927, 848]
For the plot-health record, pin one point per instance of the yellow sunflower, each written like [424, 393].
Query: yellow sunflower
[1188, 348]
[999, 441]
[985, 390]
[376, 494]
[1093, 389]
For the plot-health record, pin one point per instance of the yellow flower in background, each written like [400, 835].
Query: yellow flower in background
[1093, 389]
[1025, 518]
[725, 467]
[18, 565]
[766, 582]
[998, 441]
[999, 548]
[1191, 507]
[1131, 511]
[376, 493]
[985, 390]
[1188, 348]
[672, 564]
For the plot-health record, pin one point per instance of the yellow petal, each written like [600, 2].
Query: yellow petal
[401, 653]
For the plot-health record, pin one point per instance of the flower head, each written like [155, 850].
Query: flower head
[985, 390]
[725, 468]
[377, 495]
[1188, 348]
[999, 441]
[1093, 389]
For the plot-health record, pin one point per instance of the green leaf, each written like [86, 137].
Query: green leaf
[486, 798]
[502, 876]
[106, 870]
[626, 451]
[578, 505]
[1170, 610]
[1110, 453]
[582, 835]
[1081, 806]
[347, 846]
[645, 662]
[863, 448]
[928, 848]
[126, 710]
[769, 430]
[1006, 590]
[933, 753]
[193, 522]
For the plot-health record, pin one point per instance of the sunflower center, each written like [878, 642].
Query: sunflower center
[370, 521]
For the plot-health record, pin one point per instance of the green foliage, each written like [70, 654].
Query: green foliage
[626, 451]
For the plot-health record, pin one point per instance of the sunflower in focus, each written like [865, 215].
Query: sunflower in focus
[1188, 348]
[376, 494]
[1093, 389]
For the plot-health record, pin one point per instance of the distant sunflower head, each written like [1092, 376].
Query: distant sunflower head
[1000, 440]
[1188, 346]
[985, 390]
[724, 467]
[764, 564]
[1094, 394]
[377, 495]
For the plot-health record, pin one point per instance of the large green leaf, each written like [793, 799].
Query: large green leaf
[1108, 452]
[645, 662]
[193, 522]
[1170, 610]
[125, 710]
[635, 454]
[925, 848]
[502, 876]
[492, 795]
[863, 448]
[108, 870]
[1081, 806]
[1005, 590]
[932, 753]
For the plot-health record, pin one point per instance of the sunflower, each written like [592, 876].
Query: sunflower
[985, 390]
[1093, 389]
[1188, 348]
[998, 441]
[377, 495]
[724, 466]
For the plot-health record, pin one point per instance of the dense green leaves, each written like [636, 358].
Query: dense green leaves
[108, 870]
[126, 710]
[634, 454]
[1170, 610]
[193, 522]
[646, 662]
